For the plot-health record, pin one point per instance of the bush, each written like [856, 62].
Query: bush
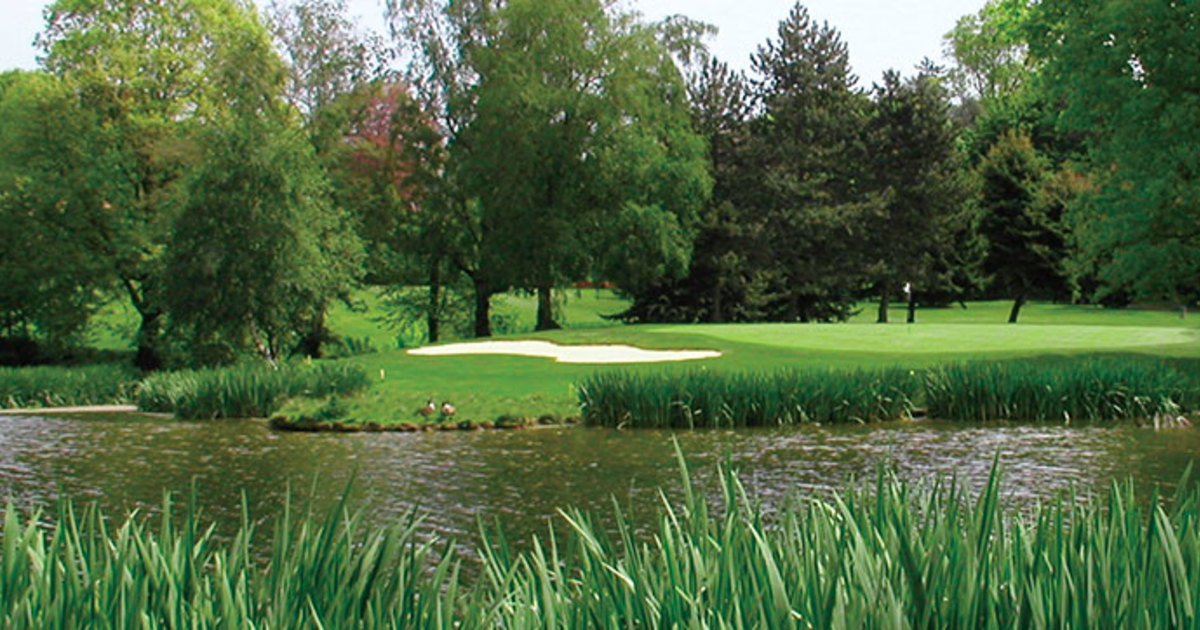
[247, 390]
[66, 386]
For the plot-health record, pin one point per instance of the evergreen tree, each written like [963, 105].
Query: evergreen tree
[1025, 254]
[810, 151]
[916, 168]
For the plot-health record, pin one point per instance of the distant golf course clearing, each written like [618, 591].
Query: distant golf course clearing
[931, 339]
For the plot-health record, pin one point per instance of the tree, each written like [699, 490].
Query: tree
[435, 36]
[581, 133]
[52, 170]
[916, 168]
[258, 250]
[810, 154]
[143, 69]
[991, 51]
[390, 159]
[1025, 242]
[1128, 76]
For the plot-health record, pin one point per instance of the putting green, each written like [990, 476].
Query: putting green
[940, 338]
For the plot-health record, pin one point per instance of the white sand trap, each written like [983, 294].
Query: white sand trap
[567, 354]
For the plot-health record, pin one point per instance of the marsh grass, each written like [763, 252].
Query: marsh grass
[1138, 390]
[66, 386]
[247, 390]
[887, 555]
[749, 399]
[1088, 391]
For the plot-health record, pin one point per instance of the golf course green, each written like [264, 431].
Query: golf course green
[485, 387]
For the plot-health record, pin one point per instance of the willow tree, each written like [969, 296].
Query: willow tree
[581, 146]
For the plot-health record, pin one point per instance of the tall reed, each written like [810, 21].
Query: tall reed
[899, 556]
[1096, 390]
[65, 386]
[892, 555]
[320, 573]
[716, 399]
[245, 391]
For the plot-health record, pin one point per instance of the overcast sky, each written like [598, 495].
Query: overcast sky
[882, 34]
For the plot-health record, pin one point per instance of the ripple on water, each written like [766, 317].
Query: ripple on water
[520, 478]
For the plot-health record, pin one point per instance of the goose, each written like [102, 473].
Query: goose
[427, 410]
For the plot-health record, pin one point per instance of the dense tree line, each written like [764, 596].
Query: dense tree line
[229, 173]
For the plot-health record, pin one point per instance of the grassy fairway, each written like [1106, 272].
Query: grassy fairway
[484, 387]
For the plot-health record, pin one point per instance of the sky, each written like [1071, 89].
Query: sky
[881, 34]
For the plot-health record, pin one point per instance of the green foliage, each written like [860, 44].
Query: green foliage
[245, 391]
[49, 184]
[66, 386]
[319, 572]
[722, 400]
[581, 146]
[888, 555]
[1125, 73]
[926, 233]
[1023, 224]
[1090, 391]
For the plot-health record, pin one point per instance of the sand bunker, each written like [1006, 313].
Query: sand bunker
[567, 354]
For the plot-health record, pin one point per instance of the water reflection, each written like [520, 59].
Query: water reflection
[519, 478]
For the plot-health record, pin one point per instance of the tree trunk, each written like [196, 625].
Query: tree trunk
[149, 357]
[882, 317]
[483, 305]
[718, 315]
[912, 307]
[433, 315]
[1016, 308]
[545, 309]
[314, 336]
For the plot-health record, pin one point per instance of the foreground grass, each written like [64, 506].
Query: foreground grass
[891, 556]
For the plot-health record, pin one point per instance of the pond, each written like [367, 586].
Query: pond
[520, 478]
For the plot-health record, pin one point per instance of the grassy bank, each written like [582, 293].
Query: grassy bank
[890, 556]
[66, 386]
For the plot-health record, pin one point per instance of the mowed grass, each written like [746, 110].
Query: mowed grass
[485, 387]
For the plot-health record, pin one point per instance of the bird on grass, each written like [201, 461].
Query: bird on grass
[427, 410]
[448, 410]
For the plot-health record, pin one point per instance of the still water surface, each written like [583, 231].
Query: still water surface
[519, 478]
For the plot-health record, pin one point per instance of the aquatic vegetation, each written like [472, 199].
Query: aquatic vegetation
[887, 555]
[247, 390]
[66, 386]
[1094, 390]
[701, 398]
[1037, 391]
